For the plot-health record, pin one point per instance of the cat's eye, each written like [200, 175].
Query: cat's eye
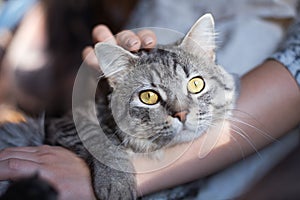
[196, 85]
[149, 97]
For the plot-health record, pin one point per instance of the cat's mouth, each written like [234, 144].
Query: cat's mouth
[184, 134]
[187, 131]
[185, 127]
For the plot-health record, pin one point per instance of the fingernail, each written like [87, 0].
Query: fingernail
[132, 42]
[147, 40]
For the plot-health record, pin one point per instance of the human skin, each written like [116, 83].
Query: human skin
[62, 168]
[269, 94]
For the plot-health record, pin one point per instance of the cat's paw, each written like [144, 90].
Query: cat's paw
[115, 190]
[111, 184]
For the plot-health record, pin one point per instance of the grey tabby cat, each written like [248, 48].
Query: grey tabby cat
[159, 98]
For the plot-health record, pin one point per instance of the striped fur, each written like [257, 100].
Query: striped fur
[167, 71]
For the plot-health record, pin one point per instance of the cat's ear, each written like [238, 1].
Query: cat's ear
[113, 61]
[201, 37]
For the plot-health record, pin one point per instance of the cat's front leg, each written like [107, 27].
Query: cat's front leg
[112, 184]
[104, 155]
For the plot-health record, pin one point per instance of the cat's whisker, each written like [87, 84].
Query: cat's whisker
[234, 139]
[154, 138]
[120, 145]
[244, 135]
[260, 131]
[111, 136]
[240, 133]
[100, 77]
[239, 145]
[249, 116]
[232, 118]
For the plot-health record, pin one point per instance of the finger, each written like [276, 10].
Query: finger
[89, 57]
[14, 168]
[128, 40]
[23, 149]
[148, 38]
[101, 33]
[29, 156]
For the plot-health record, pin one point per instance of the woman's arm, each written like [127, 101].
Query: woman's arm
[68, 173]
[270, 95]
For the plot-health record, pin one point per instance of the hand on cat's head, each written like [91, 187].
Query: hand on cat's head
[126, 39]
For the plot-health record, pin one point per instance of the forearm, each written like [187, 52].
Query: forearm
[269, 95]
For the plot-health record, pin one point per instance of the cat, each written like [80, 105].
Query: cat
[158, 98]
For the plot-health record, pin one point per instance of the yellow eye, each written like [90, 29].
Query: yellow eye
[149, 97]
[196, 85]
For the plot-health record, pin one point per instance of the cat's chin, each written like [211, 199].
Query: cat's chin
[183, 136]
[154, 155]
[145, 147]
[186, 135]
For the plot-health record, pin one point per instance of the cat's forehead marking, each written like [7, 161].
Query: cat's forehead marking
[165, 63]
[155, 75]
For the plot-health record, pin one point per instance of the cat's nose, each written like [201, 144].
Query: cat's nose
[181, 115]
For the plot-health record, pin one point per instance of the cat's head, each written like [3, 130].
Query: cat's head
[170, 94]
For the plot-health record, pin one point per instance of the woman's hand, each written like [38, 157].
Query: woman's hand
[127, 39]
[63, 169]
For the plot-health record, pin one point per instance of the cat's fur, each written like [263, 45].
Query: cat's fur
[136, 127]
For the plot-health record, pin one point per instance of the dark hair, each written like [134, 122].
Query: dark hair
[70, 22]
[69, 25]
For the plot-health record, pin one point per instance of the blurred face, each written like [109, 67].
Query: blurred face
[25, 55]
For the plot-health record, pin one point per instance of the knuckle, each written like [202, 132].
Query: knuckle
[148, 38]
[14, 164]
[47, 157]
[124, 35]
[146, 32]
[49, 153]
[44, 148]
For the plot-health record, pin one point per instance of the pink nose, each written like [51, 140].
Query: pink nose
[181, 115]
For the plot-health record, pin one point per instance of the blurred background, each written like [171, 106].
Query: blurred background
[42, 48]
[40, 52]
